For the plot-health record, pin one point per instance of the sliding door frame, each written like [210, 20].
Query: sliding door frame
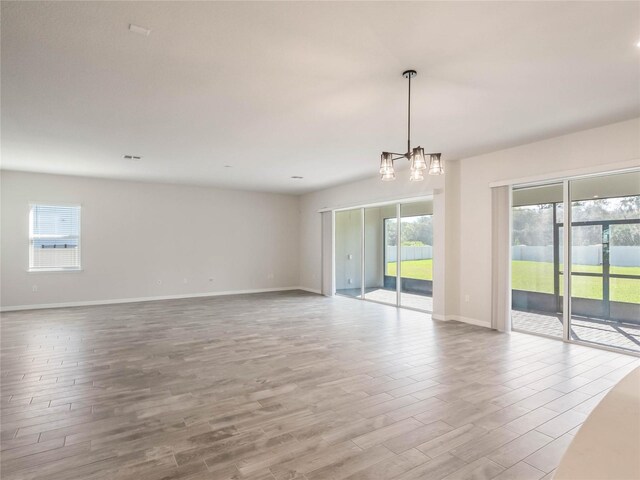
[362, 255]
[362, 208]
[566, 259]
[566, 252]
[398, 256]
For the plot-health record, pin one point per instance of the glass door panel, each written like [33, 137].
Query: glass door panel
[624, 276]
[605, 260]
[625, 290]
[536, 260]
[348, 252]
[416, 255]
[586, 273]
[586, 252]
[380, 247]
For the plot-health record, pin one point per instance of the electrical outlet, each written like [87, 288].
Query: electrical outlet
[350, 256]
[211, 279]
[34, 289]
[184, 280]
[466, 297]
[270, 276]
[349, 281]
[159, 282]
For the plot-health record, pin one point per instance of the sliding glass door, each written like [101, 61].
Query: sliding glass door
[536, 260]
[380, 244]
[416, 256]
[604, 249]
[385, 254]
[348, 252]
[605, 261]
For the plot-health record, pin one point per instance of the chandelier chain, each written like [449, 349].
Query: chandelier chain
[409, 119]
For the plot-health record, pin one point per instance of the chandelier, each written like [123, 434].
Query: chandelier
[415, 156]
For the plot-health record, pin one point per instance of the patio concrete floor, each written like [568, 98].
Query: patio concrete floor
[600, 332]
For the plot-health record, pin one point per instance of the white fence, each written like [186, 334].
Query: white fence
[581, 255]
[627, 256]
[409, 253]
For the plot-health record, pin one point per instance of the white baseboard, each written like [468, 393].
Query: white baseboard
[471, 321]
[147, 299]
[458, 318]
[310, 290]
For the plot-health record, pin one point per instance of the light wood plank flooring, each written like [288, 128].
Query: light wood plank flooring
[286, 386]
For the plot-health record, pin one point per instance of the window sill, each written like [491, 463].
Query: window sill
[54, 270]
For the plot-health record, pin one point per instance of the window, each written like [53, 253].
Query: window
[54, 237]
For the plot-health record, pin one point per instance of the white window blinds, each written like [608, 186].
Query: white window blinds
[327, 254]
[54, 237]
[501, 258]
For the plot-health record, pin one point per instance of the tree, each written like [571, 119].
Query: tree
[625, 235]
[533, 225]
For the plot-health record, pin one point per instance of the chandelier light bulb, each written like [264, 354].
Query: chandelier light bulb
[386, 163]
[416, 176]
[417, 159]
[388, 177]
[435, 167]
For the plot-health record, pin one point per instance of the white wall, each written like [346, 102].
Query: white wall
[470, 259]
[134, 234]
[452, 239]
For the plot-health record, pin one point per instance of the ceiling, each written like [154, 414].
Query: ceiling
[275, 90]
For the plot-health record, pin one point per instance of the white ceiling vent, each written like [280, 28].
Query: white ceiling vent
[131, 157]
[139, 30]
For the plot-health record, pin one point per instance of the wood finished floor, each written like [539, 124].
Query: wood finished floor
[286, 386]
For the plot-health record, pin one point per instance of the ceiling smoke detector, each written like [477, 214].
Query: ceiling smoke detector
[139, 30]
[131, 157]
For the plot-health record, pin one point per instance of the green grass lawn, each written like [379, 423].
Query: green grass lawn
[418, 269]
[538, 277]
